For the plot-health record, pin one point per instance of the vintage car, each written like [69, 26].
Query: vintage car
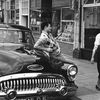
[27, 75]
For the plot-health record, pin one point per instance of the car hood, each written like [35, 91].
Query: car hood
[12, 61]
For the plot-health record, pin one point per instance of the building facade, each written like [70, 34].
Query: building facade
[91, 26]
[16, 11]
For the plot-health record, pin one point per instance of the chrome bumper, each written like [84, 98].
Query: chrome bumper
[32, 84]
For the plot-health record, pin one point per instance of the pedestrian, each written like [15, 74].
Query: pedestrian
[48, 44]
[96, 51]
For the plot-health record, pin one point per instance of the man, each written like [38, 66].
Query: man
[48, 44]
[96, 51]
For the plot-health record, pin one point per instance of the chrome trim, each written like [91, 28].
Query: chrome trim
[35, 67]
[72, 77]
[70, 67]
[32, 83]
[36, 91]
[29, 75]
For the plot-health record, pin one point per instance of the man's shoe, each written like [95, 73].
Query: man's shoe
[98, 85]
[98, 88]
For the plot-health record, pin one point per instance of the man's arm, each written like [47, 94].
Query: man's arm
[39, 45]
[96, 43]
[93, 53]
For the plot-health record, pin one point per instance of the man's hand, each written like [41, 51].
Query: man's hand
[92, 60]
[49, 50]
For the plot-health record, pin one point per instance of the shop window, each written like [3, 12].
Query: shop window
[12, 4]
[88, 1]
[16, 4]
[91, 1]
[67, 26]
[1, 16]
[97, 1]
[25, 6]
[67, 14]
[7, 5]
[92, 17]
[67, 32]
[8, 16]
[17, 22]
[35, 22]
[17, 14]
[12, 14]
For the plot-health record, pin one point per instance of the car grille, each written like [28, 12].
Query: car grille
[31, 83]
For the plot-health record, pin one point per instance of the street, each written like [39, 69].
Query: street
[86, 80]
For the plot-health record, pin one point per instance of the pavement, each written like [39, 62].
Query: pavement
[86, 79]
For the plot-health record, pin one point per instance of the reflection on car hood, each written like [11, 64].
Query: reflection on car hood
[10, 46]
[10, 61]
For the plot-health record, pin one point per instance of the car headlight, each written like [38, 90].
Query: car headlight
[72, 70]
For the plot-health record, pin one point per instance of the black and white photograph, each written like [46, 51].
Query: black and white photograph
[49, 49]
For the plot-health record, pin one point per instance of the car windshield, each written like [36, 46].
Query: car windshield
[14, 36]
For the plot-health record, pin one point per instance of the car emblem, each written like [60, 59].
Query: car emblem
[35, 67]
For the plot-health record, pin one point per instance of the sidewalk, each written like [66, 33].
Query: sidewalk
[86, 79]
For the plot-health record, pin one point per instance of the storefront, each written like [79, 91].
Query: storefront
[91, 21]
[63, 22]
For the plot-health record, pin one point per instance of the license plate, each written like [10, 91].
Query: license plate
[35, 98]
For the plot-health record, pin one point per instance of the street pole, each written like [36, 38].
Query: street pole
[29, 9]
[80, 22]
[5, 12]
[46, 6]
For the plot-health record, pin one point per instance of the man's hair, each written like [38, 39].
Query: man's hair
[44, 24]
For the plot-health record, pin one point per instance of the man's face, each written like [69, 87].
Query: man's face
[49, 28]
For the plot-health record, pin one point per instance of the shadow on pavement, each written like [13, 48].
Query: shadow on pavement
[82, 91]
[73, 98]
[67, 98]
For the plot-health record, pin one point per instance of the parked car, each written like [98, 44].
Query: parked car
[26, 75]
